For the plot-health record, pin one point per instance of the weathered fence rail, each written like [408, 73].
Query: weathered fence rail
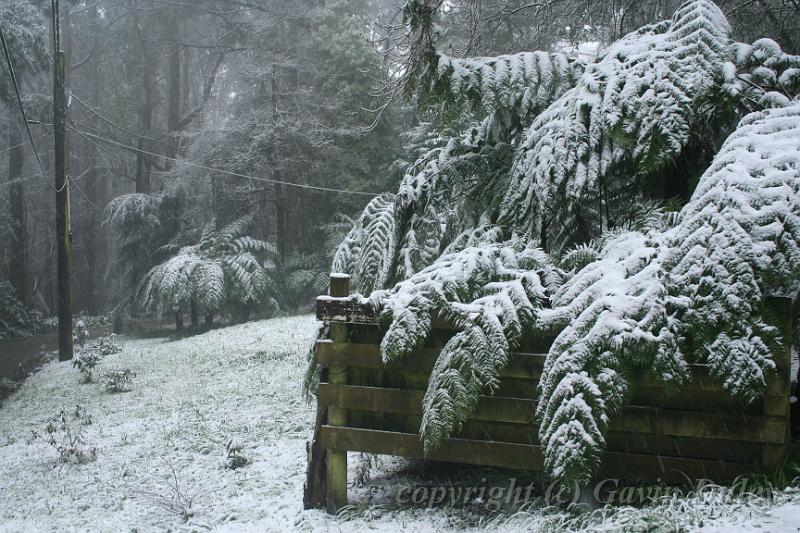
[699, 431]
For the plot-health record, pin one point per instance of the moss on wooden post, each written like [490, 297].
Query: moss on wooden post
[337, 459]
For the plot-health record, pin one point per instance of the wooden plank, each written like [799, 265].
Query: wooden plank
[688, 447]
[725, 426]
[521, 366]
[500, 454]
[344, 309]
[686, 399]
[527, 457]
[649, 420]
[409, 402]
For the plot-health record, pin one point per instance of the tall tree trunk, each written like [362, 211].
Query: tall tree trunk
[173, 92]
[16, 197]
[186, 86]
[278, 196]
[195, 315]
[146, 63]
[93, 179]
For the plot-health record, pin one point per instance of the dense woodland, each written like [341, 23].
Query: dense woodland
[312, 93]
[280, 92]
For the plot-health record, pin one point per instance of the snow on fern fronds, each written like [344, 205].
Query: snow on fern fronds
[612, 315]
[225, 264]
[137, 212]
[185, 277]
[510, 88]
[754, 183]
[763, 73]
[655, 298]
[739, 241]
[491, 293]
[447, 191]
[367, 251]
[630, 113]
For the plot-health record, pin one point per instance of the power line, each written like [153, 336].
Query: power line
[9, 148]
[106, 119]
[19, 99]
[228, 172]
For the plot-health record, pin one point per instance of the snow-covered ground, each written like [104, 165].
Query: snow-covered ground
[160, 450]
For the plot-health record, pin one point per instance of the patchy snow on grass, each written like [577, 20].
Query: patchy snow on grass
[161, 460]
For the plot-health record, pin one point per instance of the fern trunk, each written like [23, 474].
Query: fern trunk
[195, 315]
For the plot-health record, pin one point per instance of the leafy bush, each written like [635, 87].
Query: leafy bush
[85, 362]
[80, 333]
[118, 379]
[107, 346]
[16, 320]
[65, 433]
[89, 357]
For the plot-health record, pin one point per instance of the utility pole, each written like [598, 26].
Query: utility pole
[63, 234]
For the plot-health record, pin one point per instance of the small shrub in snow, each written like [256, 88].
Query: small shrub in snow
[86, 362]
[80, 333]
[176, 501]
[235, 457]
[90, 356]
[107, 346]
[118, 379]
[64, 433]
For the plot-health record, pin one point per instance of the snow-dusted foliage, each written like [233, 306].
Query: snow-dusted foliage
[491, 292]
[612, 314]
[366, 252]
[509, 89]
[630, 113]
[26, 36]
[570, 168]
[738, 241]
[225, 263]
[134, 213]
[651, 297]
[761, 75]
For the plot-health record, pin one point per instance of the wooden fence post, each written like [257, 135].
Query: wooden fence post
[776, 399]
[337, 459]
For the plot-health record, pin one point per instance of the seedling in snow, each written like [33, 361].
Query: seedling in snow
[65, 434]
[235, 457]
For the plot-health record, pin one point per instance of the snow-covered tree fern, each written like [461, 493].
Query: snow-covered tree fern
[491, 291]
[367, 250]
[657, 298]
[567, 161]
[630, 113]
[224, 264]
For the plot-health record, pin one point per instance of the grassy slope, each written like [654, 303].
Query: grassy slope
[189, 398]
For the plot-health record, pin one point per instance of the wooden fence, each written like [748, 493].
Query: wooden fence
[364, 405]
